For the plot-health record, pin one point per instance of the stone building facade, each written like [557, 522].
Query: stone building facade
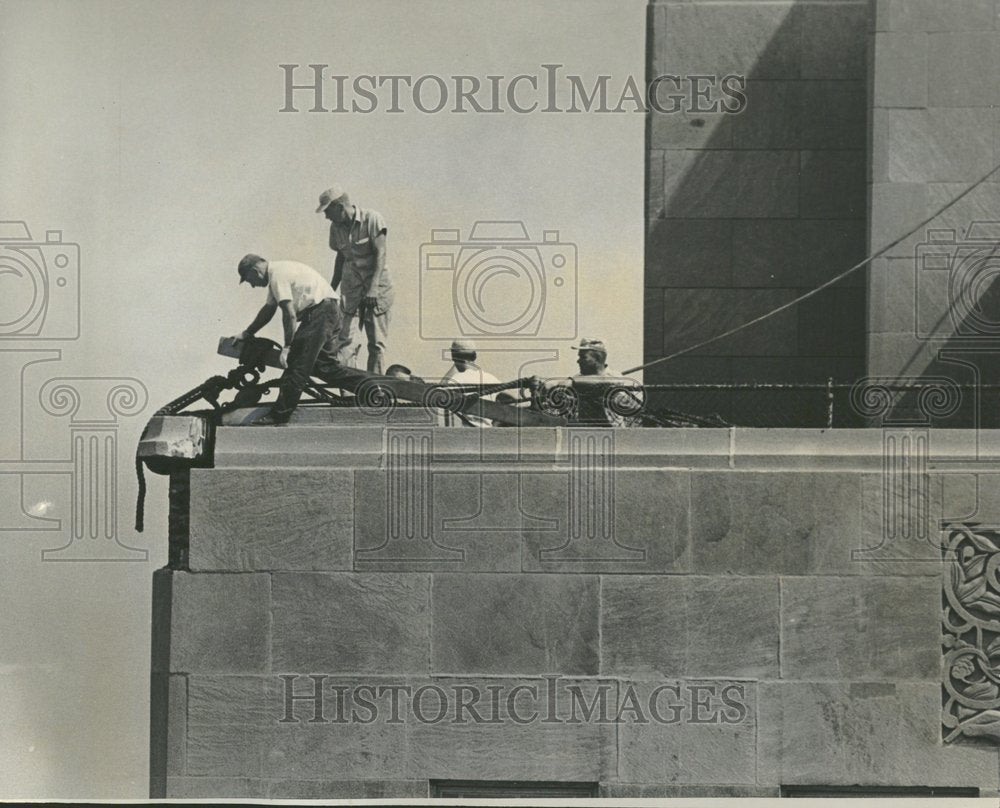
[410, 611]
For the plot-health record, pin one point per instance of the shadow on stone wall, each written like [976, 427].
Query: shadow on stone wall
[746, 211]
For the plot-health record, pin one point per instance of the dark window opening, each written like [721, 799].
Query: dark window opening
[879, 791]
[510, 789]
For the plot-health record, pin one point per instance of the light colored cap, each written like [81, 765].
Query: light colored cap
[595, 345]
[329, 196]
[466, 346]
[247, 262]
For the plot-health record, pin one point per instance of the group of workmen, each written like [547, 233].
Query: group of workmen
[318, 316]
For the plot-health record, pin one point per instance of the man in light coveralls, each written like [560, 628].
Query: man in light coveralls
[358, 235]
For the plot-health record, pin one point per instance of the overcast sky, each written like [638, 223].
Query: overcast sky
[150, 135]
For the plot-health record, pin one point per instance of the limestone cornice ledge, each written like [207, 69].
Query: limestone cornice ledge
[739, 449]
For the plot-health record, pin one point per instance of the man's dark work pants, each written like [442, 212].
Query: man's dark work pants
[313, 353]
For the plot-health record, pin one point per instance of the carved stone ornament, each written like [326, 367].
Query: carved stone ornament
[971, 628]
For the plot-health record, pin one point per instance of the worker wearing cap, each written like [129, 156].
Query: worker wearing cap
[602, 397]
[311, 317]
[358, 235]
[464, 371]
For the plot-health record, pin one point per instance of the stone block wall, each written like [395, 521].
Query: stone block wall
[742, 582]
[746, 211]
[933, 304]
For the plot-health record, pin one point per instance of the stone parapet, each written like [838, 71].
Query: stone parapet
[766, 593]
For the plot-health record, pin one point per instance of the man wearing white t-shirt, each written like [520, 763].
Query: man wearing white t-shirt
[467, 373]
[311, 318]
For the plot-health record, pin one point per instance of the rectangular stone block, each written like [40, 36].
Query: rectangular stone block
[399, 729]
[895, 209]
[692, 316]
[893, 354]
[621, 791]
[357, 441]
[940, 145]
[690, 115]
[900, 70]
[689, 626]
[833, 40]
[220, 623]
[762, 39]
[789, 253]
[731, 184]
[284, 789]
[598, 517]
[872, 733]
[834, 115]
[286, 519]
[861, 628]
[832, 323]
[934, 15]
[228, 788]
[772, 118]
[689, 253]
[959, 67]
[893, 306]
[461, 520]
[525, 624]
[787, 523]
[707, 735]
[354, 622]
[228, 721]
[548, 737]
[902, 510]
[832, 184]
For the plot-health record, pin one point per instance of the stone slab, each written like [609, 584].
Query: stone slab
[752, 523]
[721, 184]
[692, 316]
[958, 67]
[832, 323]
[228, 721]
[233, 788]
[772, 118]
[463, 519]
[833, 115]
[896, 208]
[285, 789]
[832, 184]
[540, 739]
[833, 40]
[689, 253]
[758, 39]
[608, 517]
[350, 622]
[871, 733]
[515, 624]
[860, 628]
[792, 253]
[940, 145]
[360, 445]
[284, 519]
[709, 741]
[900, 70]
[521, 729]
[689, 626]
[220, 623]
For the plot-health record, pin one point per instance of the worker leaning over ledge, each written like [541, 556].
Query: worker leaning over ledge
[358, 235]
[310, 316]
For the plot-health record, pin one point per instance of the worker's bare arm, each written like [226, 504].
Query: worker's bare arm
[338, 270]
[263, 318]
[288, 320]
